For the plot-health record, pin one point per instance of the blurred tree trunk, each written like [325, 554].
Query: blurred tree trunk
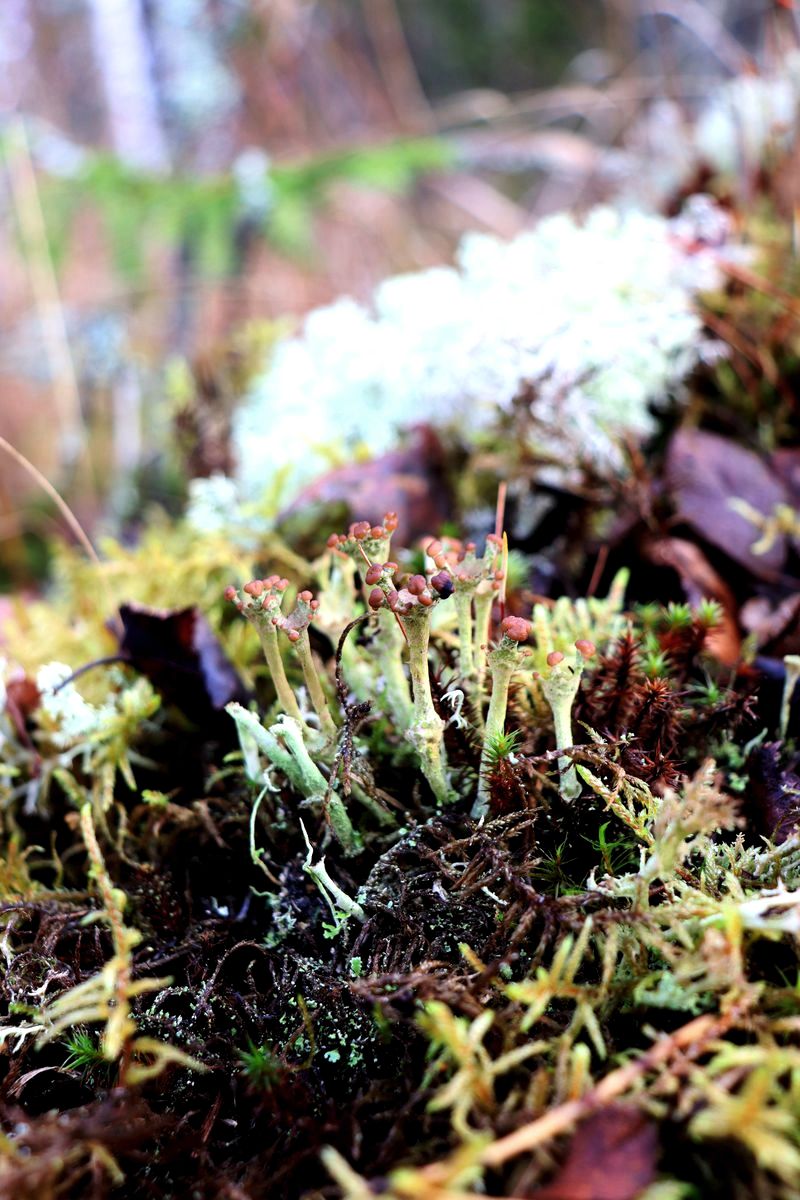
[123, 64]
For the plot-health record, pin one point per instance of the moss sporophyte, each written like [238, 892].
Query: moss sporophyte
[454, 598]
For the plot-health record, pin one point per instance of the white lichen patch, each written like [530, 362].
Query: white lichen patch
[593, 321]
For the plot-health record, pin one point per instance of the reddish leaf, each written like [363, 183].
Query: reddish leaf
[22, 699]
[409, 481]
[704, 472]
[612, 1156]
[22, 696]
[178, 652]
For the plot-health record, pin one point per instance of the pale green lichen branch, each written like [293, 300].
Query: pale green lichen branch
[341, 905]
[368, 548]
[470, 577]
[426, 734]
[295, 626]
[260, 602]
[283, 746]
[560, 686]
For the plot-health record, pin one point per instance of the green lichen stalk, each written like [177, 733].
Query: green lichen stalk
[504, 660]
[484, 601]
[389, 642]
[295, 626]
[560, 687]
[260, 602]
[426, 734]
[463, 602]
[365, 545]
[411, 607]
[283, 746]
[474, 581]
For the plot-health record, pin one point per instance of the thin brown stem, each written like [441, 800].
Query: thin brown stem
[61, 504]
[699, 1031]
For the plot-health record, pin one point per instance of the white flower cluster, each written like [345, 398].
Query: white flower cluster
[593, 320]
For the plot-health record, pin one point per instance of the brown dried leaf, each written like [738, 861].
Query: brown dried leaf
[704, 472]
[409, 481]
[22, 699]
[177, 650]
[612, 1156]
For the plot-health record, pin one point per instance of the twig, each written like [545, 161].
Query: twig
[396, 64]
[559, 1120]
[46, 486]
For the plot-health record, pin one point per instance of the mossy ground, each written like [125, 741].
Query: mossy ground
[611, 980]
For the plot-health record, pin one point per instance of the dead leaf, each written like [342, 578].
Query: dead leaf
[612, 1156]
[22, 699]
[178, 652]
[703, 473]
[409, 481]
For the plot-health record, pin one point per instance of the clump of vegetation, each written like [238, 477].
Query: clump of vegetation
[450, 896]
[391, 861]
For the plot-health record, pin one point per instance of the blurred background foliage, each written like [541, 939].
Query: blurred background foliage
[174, 171]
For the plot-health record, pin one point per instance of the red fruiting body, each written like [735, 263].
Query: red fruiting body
[516, 628]
[293, 635]
[392, 600]
[359, 530]
[254, 588]
[425, 599]
[585, 647]
[314, 605]
[333, 541]
[307, 596]
[417, 585]
[373, 574]
[376, 531]
[376, 598]
[230, 593]
[390, 522]
[554, 658]
[443, 584]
